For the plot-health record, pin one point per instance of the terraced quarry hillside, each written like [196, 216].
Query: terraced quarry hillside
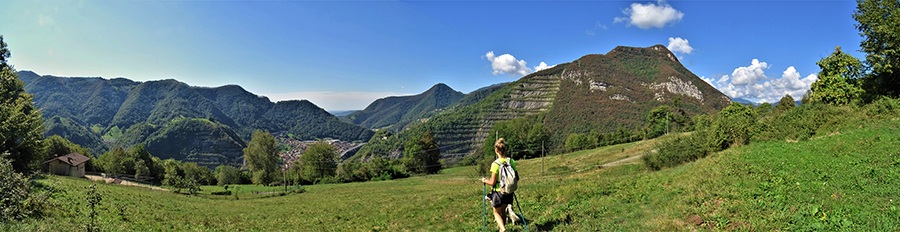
[594, 93]
[521, 98]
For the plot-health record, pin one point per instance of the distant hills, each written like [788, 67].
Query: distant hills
[399, 112]
[125, 112]
[594, 93]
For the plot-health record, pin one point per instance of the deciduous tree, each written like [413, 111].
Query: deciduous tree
[262, 157]
[319, 161]
[21, 125]
[837, 82]
[879, 24]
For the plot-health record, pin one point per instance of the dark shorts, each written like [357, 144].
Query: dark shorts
[498, 199]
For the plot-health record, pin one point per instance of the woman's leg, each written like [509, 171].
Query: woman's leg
[498, 212]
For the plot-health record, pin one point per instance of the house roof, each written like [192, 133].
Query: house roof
[73, 159]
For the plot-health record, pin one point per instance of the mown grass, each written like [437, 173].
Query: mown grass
[837, 181]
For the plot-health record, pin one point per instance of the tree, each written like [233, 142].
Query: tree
[422, 154]
[763, 109]
[139, 153]
[262, 157]
[57, 145]
[319, 161]
[21, 125]
[226, 174]
[787, 102]
[879, 24]
[115, 161]
[837, 83]
[141, 171]
[659, 120]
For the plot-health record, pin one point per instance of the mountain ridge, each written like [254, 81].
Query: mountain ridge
[103, 104]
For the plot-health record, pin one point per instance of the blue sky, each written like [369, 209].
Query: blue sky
[343, 55]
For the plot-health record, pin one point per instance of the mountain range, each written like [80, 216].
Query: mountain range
[123, 112]
[595, 93]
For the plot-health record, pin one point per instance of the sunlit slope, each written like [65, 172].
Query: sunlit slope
[841, 181]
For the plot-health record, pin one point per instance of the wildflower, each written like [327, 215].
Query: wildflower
[823, 216]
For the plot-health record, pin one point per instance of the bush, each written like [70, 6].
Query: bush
[673, 152]
[804, 121]
[18, 201]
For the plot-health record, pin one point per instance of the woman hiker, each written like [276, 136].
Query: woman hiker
[499, 201]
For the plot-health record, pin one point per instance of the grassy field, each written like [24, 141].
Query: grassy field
[845, 180]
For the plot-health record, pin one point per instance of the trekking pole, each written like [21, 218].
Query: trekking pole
[520, 212]
[483, 219]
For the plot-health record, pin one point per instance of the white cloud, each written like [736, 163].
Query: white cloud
[542, 66]
[650, 15]
[508, 64]
[751, 82]
[679, 45]
[750, 74]
[335, 100]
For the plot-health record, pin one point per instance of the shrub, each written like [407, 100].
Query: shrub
[673, 152]
[18, 201]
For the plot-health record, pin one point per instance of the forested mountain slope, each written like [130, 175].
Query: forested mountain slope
[396, 112]
[125, 111]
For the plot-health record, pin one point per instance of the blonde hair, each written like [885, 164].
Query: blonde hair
[501, 147]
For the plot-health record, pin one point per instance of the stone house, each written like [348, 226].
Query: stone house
[67, 165]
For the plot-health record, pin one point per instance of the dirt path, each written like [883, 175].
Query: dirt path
[614, 163]
[123, 182]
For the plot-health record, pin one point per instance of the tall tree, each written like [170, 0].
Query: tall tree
[837, 83]
[262, 157]
[319, 161]
[879, 24]
[423, 154]
[21, 125]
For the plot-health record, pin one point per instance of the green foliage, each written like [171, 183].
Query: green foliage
[577, 142]
[59, 146]
[226, 174]
[113, 133]
[787, 102]
[19, 201]
[94, 199]
[764, 109]
[262, 158]
[879, 24]
[74, 132]
[658, 121]
[319, 161]
[524, 136]
[675, 151]
[422, 155]
[734, 125]
[21, 125]
[141, 171]
[116, 161]
[804, 121]
[837, 83]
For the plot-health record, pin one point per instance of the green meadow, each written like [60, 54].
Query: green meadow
[844, 180]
